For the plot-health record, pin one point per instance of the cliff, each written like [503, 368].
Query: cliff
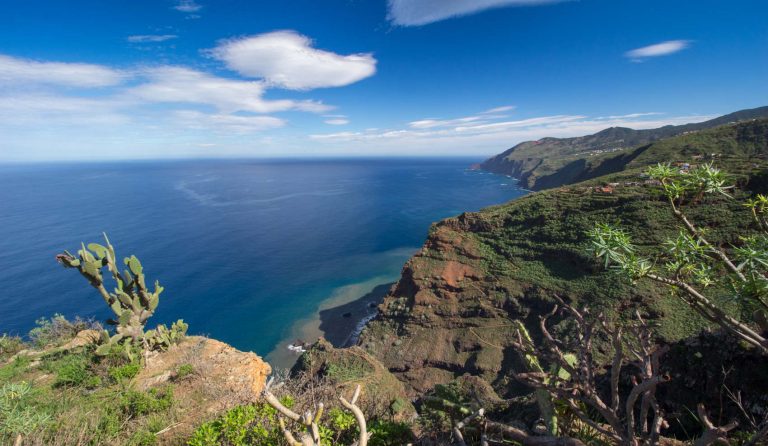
[553, 162]
[451, 312]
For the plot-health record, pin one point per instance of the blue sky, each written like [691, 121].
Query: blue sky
[134, 79]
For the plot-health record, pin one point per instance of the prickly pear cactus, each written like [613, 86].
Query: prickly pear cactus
[131, 301]
[162, 338]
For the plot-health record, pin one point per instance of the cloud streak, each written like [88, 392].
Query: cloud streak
[188, 6]
[151, 38]
[486, 138]
[658, 49]
[423, 12]
[288, 60]
[24, 71]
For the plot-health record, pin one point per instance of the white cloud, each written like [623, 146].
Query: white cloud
[658, 49]
[433, 123]
[287, 59]
[631, 115]
[188, 6]
[226, 123]
[481, 118]
[41, 111]
[151, 38]
[24, 71]
[422, 12]
[172, 84]
[486, 138]
[502, 109]
[337, 121]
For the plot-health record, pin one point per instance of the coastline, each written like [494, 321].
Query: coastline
[339, 319]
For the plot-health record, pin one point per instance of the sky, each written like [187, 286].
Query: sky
[143, 79]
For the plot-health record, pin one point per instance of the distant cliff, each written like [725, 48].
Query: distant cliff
[553, 162]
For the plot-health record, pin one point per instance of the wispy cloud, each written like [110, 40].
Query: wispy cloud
[24, 71]
[336, 119]
[631, 115]
[658, 49]
[173, 84]
[436, 123]
[482, 137]
[502, 109]
[226, 123]
[188, 6]
[151, 38]
[481, 118]
[423, 12]
[287, 59]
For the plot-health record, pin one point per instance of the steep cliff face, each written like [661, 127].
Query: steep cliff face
[553, 162]
[451, 311]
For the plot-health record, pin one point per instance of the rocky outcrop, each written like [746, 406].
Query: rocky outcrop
[236, 375]
[221, 378]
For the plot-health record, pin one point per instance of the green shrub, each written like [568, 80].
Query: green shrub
[254, 424]
[73, 370]
[342, 427]
[205, 435]
[10, 345]
[142, 438]
[124, 372]
[348, 369]
[58, 330]
[135, 403]
[111, 422]
[257, 424]
[14, 368]
[17, 415]
[184, 370]
[390, 433]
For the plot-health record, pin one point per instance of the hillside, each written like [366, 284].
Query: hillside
[451, 313]
[552, 162]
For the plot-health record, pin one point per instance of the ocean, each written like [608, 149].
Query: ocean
[244, 248]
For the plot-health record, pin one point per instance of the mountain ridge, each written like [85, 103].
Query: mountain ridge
[552, 162]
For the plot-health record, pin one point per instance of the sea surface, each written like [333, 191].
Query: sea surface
[245, 249]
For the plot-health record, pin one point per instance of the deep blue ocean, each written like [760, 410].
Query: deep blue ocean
[244, 248]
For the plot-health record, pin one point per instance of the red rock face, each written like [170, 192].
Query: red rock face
[455, 272]
[432, 325]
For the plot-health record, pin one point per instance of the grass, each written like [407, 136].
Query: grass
[83, 408]
[76, 397]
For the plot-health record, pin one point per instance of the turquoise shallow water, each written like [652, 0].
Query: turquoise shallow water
[245, 249]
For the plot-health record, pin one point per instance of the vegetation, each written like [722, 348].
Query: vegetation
[553, 162]
[46, 383]
[470, 330]
[274, 420]
[44, 396]
[131, 302]
[692, 266]
[50, 331]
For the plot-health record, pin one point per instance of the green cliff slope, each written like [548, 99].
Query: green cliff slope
[451, 311]
[552, 162]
